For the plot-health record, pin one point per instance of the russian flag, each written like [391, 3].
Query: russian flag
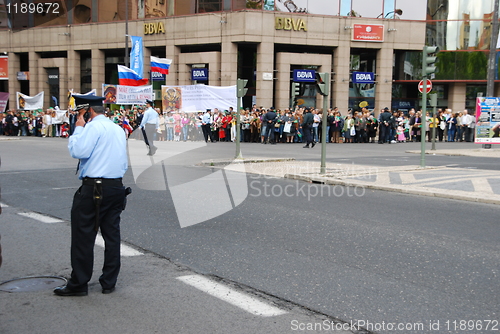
[160, 65]
[127, 77]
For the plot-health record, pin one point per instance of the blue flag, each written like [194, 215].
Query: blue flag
[137, 55]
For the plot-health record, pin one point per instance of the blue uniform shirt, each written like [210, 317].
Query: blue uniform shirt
[150, 117]
[101, 147]
[206, 118]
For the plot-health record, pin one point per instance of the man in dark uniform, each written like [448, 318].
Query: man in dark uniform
[306, 125]
[384, 126]
[269, 119]
[101, 147]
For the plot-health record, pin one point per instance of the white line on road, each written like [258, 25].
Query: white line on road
[124, 249]
[3, 205]
[40, 217]
[99, 241]
[238, 299]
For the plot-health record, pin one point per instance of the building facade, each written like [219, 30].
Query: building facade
[262, 41]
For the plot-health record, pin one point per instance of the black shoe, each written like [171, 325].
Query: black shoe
[273, 143]
[67, 292]
[108, 291]
[307, 146]
[313, 144]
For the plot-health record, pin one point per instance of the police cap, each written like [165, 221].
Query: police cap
[91, 100]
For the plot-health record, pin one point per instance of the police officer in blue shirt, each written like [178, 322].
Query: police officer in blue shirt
[149, 125]
[100, 146]
[206, 122]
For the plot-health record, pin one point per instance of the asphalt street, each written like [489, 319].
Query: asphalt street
[354, 254]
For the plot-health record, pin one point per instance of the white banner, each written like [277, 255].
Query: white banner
[61, 117]
[198, 98]
[25, 102]
[133, 94]
[71, 93]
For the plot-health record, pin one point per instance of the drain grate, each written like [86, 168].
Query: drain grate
[32, 283]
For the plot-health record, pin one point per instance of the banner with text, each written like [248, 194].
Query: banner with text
[487, 120]
[4, 98]
[133, 94]
[25, 102]
[198, 98]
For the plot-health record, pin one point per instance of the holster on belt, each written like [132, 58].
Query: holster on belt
[97, 201]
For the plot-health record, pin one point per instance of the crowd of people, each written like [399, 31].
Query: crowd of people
[262, 125]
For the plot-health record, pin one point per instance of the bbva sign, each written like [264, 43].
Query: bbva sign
[363, 77]
[154, 28]
[287, 23]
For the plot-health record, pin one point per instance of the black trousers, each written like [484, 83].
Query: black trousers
[207, 132]
[269, 134]
[308, 137]
[83, 235]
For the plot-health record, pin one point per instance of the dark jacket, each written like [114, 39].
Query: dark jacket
[385, 118]
[269, 116]
[308, 120]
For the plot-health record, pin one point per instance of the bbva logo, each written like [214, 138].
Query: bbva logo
[156, 75]
[199, 73]
[364, 76]
[305, 75]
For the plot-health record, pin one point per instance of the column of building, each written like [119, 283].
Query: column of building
[340, 90]
[265, 66]
[383, 88]
[14, 84]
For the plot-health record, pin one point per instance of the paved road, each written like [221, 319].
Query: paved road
[377, 256]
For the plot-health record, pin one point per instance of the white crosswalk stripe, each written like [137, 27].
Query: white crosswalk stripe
[241, 300]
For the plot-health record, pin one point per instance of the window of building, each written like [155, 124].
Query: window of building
[206, 6]
[471, 93]
[365, 8]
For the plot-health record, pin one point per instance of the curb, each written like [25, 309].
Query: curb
[219, 162]
[404, 190]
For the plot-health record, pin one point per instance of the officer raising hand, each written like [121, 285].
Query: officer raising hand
[100, 146]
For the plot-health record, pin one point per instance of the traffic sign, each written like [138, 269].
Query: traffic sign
[421, 86]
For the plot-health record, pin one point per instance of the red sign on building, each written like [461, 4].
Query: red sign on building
[4, 68]
[368, 33]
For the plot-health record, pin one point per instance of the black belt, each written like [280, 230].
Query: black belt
[90, 181]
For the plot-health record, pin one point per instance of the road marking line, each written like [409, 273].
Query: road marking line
[3, 205]
[124, 249]
[40, 217]
[482, 185]
[238, 299]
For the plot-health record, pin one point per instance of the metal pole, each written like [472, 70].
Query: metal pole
[126, 35]
[238, 129]
[423, 120]
[323, 128]
[490, 85]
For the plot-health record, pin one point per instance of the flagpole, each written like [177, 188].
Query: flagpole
[126, 34]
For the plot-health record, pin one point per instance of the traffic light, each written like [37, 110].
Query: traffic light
[240, 87]
[323, 83]
[295, 88]
[429, 60]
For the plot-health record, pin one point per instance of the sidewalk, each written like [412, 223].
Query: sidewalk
[153, 295]
[446, 182]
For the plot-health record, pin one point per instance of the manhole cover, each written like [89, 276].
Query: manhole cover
[31, 284]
